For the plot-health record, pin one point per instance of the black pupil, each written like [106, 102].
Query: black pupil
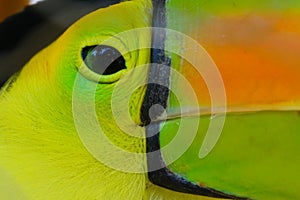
[102, 59]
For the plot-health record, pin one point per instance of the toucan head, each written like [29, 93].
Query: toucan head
[179, 99]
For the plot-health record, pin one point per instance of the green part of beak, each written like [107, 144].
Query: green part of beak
[257, 155]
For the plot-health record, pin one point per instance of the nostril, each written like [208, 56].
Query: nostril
[154, 103]
[156, 111]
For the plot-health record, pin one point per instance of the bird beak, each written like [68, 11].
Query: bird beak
[216, 96]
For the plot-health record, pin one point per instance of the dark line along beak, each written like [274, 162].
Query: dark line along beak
[158, 173]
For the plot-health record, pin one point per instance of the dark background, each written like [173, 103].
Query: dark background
[24, 34]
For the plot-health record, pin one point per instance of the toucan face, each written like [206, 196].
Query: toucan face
[195, 98]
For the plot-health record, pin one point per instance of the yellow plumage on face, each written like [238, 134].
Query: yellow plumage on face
[41, 151]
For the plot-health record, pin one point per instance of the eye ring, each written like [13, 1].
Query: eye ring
[102, 63]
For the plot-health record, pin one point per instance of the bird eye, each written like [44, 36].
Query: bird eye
[103, 62]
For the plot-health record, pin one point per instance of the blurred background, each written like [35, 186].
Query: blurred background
[26, 27]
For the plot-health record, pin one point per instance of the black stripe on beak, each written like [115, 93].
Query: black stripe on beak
[158, 93]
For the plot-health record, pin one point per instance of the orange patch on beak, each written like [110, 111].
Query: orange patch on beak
[257, 56]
